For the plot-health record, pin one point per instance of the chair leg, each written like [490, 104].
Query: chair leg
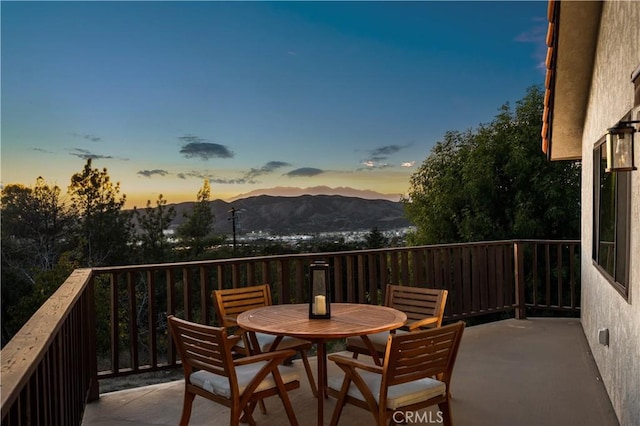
[307, 367]
[235, 417]
[186, 407]
[243, 415]
[247, 416]
[286, 402]
[446, 413]
[337, 411]
[340, 403]
[284, 397]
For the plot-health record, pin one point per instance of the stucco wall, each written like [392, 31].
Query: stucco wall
[611, 97]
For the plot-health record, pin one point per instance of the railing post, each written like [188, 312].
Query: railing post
[92, 344]
[518, 255]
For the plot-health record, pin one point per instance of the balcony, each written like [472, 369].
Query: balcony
[110, 322]
[512, 372]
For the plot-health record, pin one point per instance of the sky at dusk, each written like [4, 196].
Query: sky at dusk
[253, 95]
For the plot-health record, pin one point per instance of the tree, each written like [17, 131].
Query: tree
[45, 283]
[35, 229]
[36, 220]
[105, 229]
[154, 245]
[375, 239]
[195, 232]
[495, 183]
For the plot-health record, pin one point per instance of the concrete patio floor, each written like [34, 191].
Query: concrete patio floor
[534, 372]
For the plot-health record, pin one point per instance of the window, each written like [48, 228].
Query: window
[611, 214]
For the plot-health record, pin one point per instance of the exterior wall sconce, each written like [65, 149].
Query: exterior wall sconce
[319, 291]
[620, 156]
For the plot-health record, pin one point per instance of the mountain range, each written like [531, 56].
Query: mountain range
[301, 214]
[289, 191]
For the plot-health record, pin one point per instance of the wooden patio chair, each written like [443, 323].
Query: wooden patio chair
[211, 372]
[229, 303]
[405, 382]
[424, 308]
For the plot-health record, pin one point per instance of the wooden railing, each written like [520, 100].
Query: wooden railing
[111, 321]
[49, 368]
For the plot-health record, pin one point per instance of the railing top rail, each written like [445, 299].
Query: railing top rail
[24, 351]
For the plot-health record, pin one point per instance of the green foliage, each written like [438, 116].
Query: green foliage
[154, 245]
[104, 229]
[195, 232]
[495, 183]
[376, 239]
[36, 221]
[35, 227]
[46, 282]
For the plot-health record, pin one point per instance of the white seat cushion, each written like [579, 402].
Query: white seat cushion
[398, 395]
[219, 385]
[379, 340]
[265, 341]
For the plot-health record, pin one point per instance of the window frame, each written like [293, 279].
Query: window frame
[621, 187]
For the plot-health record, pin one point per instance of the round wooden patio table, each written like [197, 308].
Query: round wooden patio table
[347, 319]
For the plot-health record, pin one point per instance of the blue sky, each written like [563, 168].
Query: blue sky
[254, 95]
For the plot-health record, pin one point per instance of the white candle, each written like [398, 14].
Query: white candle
[320, 305]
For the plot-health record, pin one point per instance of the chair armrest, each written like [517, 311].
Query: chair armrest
[265, 356]
[354, 363]
[232, 319]
[431, 321]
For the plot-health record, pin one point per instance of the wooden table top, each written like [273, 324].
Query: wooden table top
[347, 319]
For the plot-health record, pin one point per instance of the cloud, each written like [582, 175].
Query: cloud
[372, 165]
[42, 150]
[195, 174]
[228, 181]
[304, 172]
[271, 166]
[88, 155]
[87, 136]
[194, 146]
[249, 176]
[537, 35]
[377, 157]
[149, 173]
[211, 178]
[382, 153]
[408, 164]
[385, 151]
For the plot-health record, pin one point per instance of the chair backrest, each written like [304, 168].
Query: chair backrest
[229, 303]
[417, 302]
[202, 347]
[422, 354]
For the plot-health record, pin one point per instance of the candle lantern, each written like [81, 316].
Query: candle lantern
[319, 291]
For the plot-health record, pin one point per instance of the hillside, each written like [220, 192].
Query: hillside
[303, 214]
